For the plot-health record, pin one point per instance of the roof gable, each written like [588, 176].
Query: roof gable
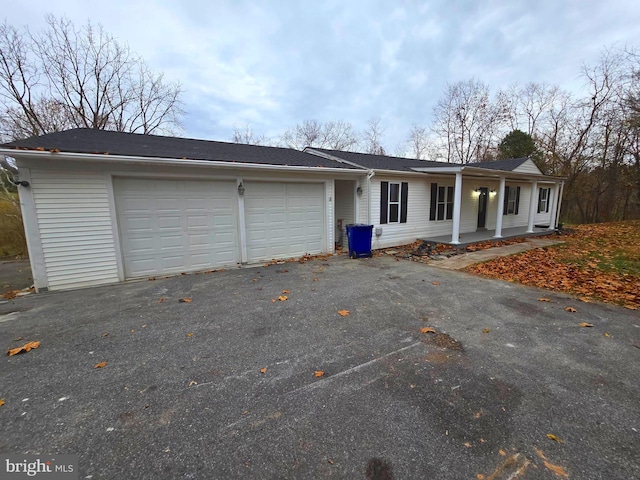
[92, 141]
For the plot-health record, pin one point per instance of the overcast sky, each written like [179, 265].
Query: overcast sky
[274, 64]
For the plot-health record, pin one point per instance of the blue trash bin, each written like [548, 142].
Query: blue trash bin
[359, 238]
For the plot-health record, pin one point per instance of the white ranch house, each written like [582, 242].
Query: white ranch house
[102, 207]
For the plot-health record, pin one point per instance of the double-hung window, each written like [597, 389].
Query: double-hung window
[393, 202]
[544, 198]
[441, 202]
[511, 200]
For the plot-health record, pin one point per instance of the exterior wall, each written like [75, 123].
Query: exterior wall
[345, 207]
[72, 213]
[76, 230]
[419, 203]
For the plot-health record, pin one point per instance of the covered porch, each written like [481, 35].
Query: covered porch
[469, 238]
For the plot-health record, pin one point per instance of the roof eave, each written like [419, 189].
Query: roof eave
[127, 159]
[486, 172]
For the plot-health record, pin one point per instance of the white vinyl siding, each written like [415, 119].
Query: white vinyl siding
[528, 167]
[76, 230]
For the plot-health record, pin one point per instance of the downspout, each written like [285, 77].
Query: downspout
[369, 177]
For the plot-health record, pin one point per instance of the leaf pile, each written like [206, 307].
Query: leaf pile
[601, 261]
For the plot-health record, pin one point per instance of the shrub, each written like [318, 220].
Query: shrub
[12, 237]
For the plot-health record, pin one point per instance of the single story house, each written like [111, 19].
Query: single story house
[101, 207]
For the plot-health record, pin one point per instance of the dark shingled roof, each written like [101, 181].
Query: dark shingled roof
[382, 162]
[85, 140]
[509, 165]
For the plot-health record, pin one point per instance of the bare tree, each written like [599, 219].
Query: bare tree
[468, 121]
[247, 136]
[333, 135]
[66, 77]
[418, 143]
[372, 137]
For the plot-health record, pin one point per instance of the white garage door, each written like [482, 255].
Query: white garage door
[283, 219]
[171, 226]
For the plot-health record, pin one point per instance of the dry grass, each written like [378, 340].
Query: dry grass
[600, 261]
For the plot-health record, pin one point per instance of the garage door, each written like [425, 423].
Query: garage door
[170, 226]
[283, 219]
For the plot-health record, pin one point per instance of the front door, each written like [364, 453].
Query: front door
[482, 208]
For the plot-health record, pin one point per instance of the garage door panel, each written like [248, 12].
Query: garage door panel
[170, 226]
[283, 219]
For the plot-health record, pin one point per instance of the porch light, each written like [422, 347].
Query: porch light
[493, 192]
[359, 190]
[240, 189]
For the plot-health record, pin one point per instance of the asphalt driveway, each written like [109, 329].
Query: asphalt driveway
[183, 396]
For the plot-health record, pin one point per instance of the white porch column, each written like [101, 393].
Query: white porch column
[498, 233]
[241, 223]
[557, 217]
[554, 203]
[532, 206]
[457, 200]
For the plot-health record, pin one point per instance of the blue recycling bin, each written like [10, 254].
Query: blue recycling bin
[359, 238]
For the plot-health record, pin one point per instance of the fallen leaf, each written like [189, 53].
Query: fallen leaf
[330, 462]
[480, 476]
[133, 331]
[263, 370]
[570, 309]
[482, 440]
[282, 298]
[631, 307]
[315, 279]
[162, 300]
[585, 324]
[485, 330]
[192, 382]
[1, 401]
[428, 330]
[318, 373]
[606, 334]
[435, 283]
[502, 452]
[273, 300]
[100, 365]
[557, 469]
[553, 437]
[467, 444]
[585, 300]
[185, 300]
[24, 348]
[286, 291]
[543, 299]
[105, 334]
[478, 415]
[344, 313]
[189, 334]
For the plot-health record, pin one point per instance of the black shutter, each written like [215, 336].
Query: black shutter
[540, 198]
[517, 199]
[434, 200]
[404, 195]
[384, 201]
[506, 201]
[548, 199]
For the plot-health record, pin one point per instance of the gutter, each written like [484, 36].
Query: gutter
[135, 160]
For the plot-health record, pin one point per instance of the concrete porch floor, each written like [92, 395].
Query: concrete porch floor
[488, 235]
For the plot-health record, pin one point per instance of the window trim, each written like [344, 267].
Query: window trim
[507, 200]
[386, 203]
[446, 212]
[543, 203]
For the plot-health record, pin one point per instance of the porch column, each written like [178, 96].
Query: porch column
[557, 217]
[532, 206]
[498, 233]
[554, 203]
[457, 200]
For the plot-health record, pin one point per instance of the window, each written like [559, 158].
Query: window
[441, 202]
[544, 198]
[393, 202]
[511, 200]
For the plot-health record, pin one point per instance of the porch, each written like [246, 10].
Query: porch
[488, 235]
